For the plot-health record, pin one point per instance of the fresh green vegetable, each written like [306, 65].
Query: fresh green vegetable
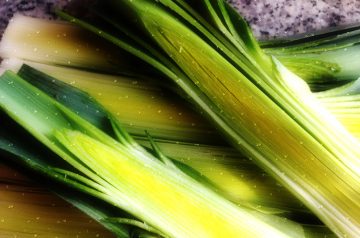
[35, 156]
[264, 110]
[125, 96]
[124, 169]
[231, 175]
[347, 112]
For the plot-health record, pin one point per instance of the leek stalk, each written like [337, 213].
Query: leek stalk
[123, 170]
[232, 175]
[264, 110]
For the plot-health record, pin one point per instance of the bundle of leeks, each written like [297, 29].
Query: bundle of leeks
[109, 165]
[165, 118]
[99, 97]
[266, 111]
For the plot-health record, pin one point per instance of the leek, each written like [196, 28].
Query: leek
[59, 74]
[264, 110]
[21, 149]
[324, 60]
[235, 177]
[229, 172]
[119, 171]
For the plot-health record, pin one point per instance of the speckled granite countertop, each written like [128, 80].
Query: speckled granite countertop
[268, 18]
[36, 8]
[288, 17]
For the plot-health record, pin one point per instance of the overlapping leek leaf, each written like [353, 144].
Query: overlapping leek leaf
[124, 169]
[323, 59]
[264, 109]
